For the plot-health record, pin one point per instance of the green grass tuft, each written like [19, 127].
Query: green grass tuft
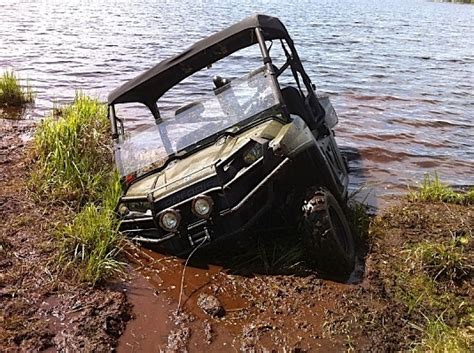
[433, 189]
[443, 261]
[74, 157]
[74, 164]
[90, 244]
[12, 93]
[439, 337]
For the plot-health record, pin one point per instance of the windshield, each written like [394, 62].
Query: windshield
[234, 104]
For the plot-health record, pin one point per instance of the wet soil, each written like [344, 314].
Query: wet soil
[41, 309]
[254, 312]
[265, 308]
[252, 297]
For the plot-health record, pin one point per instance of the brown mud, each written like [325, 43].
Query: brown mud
[280, 308]
[256, 295]
[41, 309]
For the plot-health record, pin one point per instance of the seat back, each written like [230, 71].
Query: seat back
[295, 103]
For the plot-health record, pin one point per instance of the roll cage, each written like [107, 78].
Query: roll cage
[148, 87]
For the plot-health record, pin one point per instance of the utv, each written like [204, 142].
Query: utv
[250, 147]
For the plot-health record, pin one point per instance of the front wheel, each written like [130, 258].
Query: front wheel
[328, 233]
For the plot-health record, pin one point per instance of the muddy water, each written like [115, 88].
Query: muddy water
[262, 311]
[400, 72]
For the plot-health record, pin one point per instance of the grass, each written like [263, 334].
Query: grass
[74, 165]
[432, 189]
[73, 153]
[12, 93]
[446, 260]
[432, 263]
[440, 337]
[281, 253]
[90, 244]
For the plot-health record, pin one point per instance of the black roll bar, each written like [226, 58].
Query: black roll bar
[267, 61]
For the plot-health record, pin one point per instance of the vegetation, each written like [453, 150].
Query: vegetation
[431, 272]
[74, 166]
[90, 244]
[271, 252]
[12, 93]
[432, 189]
[73, 154]
[439, 337]
[446, 260]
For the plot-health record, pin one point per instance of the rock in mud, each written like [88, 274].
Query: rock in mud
[208, 331]
[178, 340]
[210, 305]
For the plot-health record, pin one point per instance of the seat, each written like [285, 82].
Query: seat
[295, 103]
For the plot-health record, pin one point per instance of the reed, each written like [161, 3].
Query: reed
[73, 152]
[12, 93]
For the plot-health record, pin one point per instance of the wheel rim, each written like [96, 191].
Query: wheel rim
[340, 232]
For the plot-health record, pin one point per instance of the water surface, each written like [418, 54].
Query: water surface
[400, 73]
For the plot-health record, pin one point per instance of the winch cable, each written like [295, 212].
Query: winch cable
[181, 289]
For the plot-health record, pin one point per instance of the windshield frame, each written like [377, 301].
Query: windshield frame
[117, 128]
[278, 111]
[211, 139]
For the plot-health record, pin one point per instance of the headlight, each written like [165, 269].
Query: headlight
[202, 206]
[125, 209]
[169, 220]
[253, 154]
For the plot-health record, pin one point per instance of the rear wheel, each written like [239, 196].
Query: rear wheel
[328, 233]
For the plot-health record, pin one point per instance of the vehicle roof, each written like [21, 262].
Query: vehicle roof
[153, 83]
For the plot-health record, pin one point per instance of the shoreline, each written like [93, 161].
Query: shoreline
[44, 310]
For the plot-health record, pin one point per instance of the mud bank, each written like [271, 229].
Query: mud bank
[41, 308]
[241, 300]
[398, 304]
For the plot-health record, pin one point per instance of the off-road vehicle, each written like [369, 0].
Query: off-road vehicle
[252, 147]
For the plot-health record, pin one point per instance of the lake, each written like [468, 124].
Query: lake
[400, 73]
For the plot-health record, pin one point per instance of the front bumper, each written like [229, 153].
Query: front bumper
[233, 213]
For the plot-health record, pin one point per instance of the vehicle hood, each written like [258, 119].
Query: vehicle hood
[195, 167]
